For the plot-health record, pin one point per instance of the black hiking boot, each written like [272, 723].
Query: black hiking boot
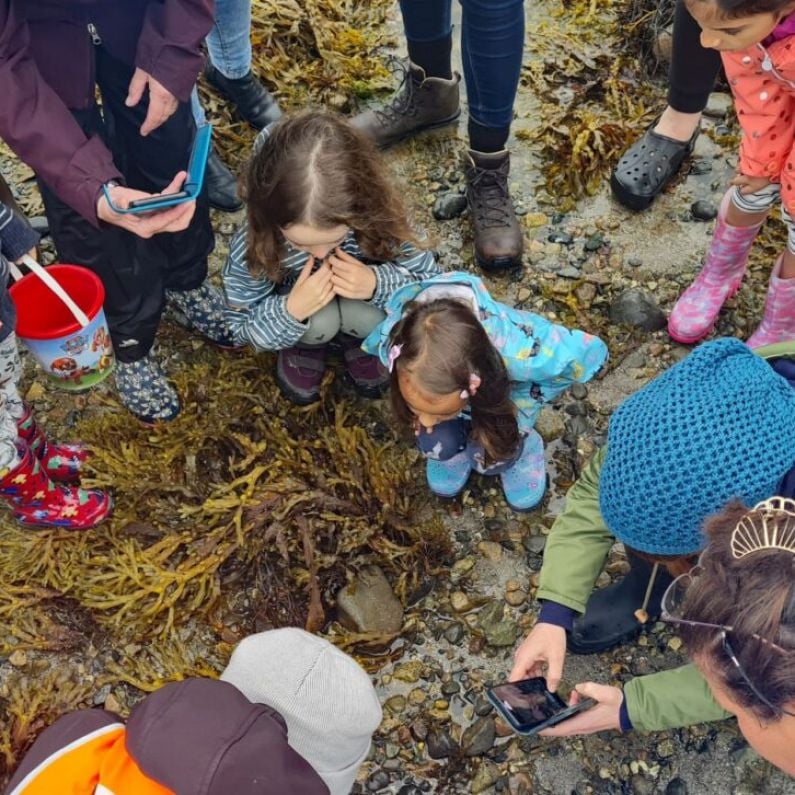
[498, 238]
[420, 103]
[610, 616]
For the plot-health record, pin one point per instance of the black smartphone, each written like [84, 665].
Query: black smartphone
[158, 202]
[528, 707]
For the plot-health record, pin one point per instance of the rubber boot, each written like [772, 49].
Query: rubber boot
[612, 614]
[525, 481]
[498, 237]
[448, 478]
[38, 502]
[778, 322]
[695, 312]
[62, 462]
[420, 103]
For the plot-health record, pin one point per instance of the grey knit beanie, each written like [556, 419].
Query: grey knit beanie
[326, 699]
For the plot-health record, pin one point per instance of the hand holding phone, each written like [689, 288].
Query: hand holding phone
[529, 708]
[172, 219]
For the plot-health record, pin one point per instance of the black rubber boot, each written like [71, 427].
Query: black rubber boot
[221, 185]
[610, 618]
[253, 101]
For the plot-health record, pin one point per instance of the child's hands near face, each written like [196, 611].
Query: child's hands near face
[750, 184]
[351, 278]
[311, 291]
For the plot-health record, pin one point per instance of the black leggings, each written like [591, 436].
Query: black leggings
[693, 70]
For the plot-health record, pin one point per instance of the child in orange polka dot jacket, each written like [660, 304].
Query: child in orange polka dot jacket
[756, 39]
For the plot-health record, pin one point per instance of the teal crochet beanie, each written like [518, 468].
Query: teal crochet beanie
[719, 424]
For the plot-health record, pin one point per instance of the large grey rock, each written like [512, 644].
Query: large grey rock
[498, 631]
[368, 604]
[449, 206]
[550, 424]
[636, 308]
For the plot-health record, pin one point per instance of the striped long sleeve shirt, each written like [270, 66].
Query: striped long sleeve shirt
[257, 311]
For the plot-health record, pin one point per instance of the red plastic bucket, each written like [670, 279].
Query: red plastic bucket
[74, 358]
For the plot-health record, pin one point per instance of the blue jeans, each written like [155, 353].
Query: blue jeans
[492, 43]
[229, 45]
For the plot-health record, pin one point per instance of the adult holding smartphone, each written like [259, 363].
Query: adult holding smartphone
[736, 614]
[655, 158]
[144, 58]
[718, 425]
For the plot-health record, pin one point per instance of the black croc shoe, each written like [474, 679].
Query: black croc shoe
[610, 616]
[648, 166]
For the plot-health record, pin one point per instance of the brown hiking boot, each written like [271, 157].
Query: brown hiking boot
[420, 103]
[498, 238]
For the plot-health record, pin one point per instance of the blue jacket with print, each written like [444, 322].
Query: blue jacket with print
[542, 358]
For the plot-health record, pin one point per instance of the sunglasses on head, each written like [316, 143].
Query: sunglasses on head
[673, 603]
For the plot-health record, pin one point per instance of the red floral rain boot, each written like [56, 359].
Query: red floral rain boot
[39, 502]
[62, 462]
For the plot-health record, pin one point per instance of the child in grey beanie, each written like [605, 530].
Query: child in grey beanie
[326, 699]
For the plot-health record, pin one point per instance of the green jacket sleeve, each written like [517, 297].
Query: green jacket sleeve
[578, 543]
[670, 699]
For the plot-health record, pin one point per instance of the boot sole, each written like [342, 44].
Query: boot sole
[293, 396]
[500, 264]
[425, 128]
[631, 200]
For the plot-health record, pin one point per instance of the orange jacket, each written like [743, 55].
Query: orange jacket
[762, 80]
[197, 737]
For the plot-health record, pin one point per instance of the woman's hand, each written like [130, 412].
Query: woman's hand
[546, 644]
[311, 291]
[602, 716]
[351, 278]
[750, 184]
[170, 219]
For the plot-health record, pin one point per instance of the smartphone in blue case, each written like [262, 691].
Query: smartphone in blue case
[193, 182]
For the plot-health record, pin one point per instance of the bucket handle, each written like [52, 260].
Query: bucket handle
[42, 273]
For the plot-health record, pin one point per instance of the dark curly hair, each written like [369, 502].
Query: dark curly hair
[755, 595]
[315, 168]
[736, 9]
[443, 343]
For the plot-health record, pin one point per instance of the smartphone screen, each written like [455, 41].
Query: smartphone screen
[529, 707]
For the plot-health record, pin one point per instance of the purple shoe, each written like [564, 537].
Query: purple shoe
[369, 376]
[299, 373]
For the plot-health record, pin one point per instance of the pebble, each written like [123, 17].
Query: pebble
[410, 671]
[479, 737]
[450, 688]
[676, 786]
[378, 780]
[440, 744]
[395, 704]
[418, 696]
[454, 633]
[485, 776]
[112, 704]
[579, 391]
[18, 658]
[515, 598]
[586, 293]
[461, 568]
[449, 206]
[675, 643]
[703, 210]
[550, 424]
[534, 220]
[523, 294]
[460, 602]
[490, 550]
[719, 105]
[535, 544]
[665, 749]
[594, 242]
[636, 308]
[562, 238]
[570, 272]
[520, 784]
[639, 785]
[702, 166]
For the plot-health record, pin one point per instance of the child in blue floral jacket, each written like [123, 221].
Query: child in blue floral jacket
[470, 374]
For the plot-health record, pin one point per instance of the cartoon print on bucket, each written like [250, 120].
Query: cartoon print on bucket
[73, 358]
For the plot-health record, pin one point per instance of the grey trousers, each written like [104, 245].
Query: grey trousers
[342, 315]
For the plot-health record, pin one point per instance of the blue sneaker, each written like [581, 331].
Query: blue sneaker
[525, 482]
[145, 391]
[204, 310]
[448, 478]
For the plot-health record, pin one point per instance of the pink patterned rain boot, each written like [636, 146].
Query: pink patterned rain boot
[724, 266]
[778, 322]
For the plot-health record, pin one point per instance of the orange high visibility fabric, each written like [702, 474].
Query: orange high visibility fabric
[100, 760]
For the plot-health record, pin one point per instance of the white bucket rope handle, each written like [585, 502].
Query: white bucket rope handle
[41, 272]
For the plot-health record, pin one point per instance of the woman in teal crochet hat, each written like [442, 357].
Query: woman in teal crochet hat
[718, 425]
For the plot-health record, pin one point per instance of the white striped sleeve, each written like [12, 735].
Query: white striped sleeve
[412, 265]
